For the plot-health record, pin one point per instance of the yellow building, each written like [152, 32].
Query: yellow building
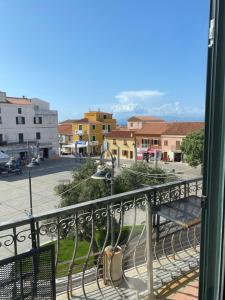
[89, 132]
[121, 144]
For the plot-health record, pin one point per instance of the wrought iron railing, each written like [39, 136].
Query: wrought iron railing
[139, 262]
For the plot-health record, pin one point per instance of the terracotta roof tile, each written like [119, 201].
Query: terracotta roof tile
[19, 101]
[145, 118]
[65, 129]
[120, 134]
[183, 128]
[152, 128]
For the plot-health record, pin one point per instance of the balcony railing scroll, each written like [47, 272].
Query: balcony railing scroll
[143, 259]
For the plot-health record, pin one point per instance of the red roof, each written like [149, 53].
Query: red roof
[156, 128]
[145, 119]
[183, 128]
[120, 134]
[19, 101]
[65, 129]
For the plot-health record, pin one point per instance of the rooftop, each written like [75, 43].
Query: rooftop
[157, 128]
[120, 133]
[19, 101]
[145, 119]
[183, 128]
[65, 129]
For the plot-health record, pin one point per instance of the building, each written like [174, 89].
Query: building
[121, 143]
[172, 138]
[65, 130]
[148, 139]
[159, 140]
[137, 122]
[27, 127]
[89, 132]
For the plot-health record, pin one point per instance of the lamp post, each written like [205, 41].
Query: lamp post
[102, 175]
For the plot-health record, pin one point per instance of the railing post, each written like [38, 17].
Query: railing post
[149, 246]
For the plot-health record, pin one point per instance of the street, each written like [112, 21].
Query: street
[14, 190]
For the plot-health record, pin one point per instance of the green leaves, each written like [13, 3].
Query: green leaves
[193, 146]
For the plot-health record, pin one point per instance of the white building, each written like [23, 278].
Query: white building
[27, 127]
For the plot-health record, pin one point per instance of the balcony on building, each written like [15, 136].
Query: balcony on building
[156, 243]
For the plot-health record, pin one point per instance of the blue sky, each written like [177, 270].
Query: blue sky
[125, 56]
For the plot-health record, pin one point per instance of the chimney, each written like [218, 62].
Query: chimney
[2, 96]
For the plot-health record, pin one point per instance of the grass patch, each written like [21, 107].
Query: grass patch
[67, 247]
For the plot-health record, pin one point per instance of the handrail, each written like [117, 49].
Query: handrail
[105, 200]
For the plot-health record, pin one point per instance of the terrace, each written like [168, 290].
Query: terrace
[155, 233]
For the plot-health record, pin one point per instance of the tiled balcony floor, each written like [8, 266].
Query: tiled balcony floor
[135, 286]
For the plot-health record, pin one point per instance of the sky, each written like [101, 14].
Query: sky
[129, 57]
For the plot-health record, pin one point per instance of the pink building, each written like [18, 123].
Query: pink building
[172, 137]
[137, 122]
[148, 139]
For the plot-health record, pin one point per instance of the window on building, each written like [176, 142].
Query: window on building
[114, 151]
[19, 110]
[125, 142]
[0, 120]
[104, 116]
[93, 138]
[103, 127]
[131, 124]
[155, 142]
[38, 135]
[131, 154]
[1, 137]
[37, 120]
[165, 143]
[80, 127]
[20, 138]
[20, 120]
[114, 141]
[145, 142]
[93, 127]
[0, 110]
[109, 128]
[36, 107]
[177, 145]
[125, 153]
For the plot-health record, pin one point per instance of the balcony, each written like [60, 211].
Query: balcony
[18, 143]
[155, 232]
[3, 143]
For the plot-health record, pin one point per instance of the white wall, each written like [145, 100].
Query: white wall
[48, 129]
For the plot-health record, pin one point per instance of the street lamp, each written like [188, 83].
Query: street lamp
[102, 174]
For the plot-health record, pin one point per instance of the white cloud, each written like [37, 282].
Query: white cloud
[127, 96]
[175, 109]
[152, 102]
[129, 101]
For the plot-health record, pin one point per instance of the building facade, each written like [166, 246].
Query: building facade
[65, 130]
[28, 127]
[148, 140]
[172, 138]
[137, 122]
[89, 132]
[121, 143]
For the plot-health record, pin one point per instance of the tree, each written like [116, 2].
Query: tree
[138, 174]
[193, 146]
[84, 188]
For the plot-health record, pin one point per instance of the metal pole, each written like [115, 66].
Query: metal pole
[149, 246]
[30, 191]
[112, 192]
[135, 150]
